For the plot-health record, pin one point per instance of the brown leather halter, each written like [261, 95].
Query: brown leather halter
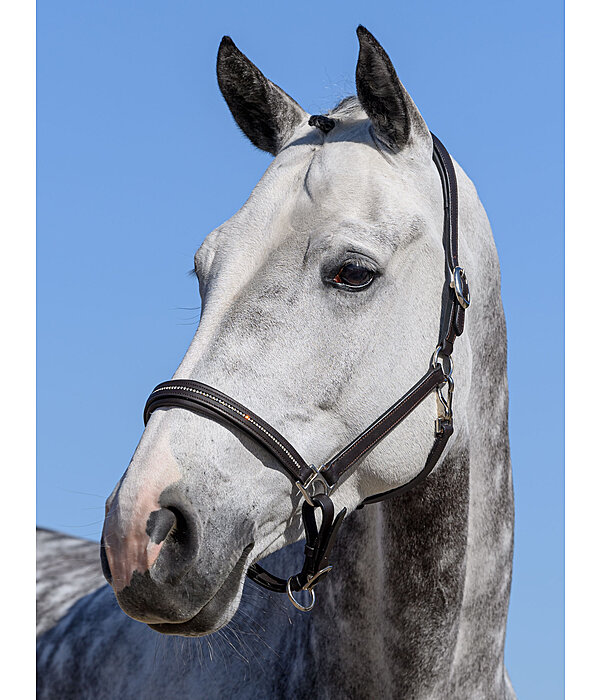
[315, 484]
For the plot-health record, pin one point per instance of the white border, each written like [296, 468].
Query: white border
[582, 345]
[17, 345]
[17, 289]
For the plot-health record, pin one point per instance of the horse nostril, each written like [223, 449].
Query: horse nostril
[159, 524]
[174, 529]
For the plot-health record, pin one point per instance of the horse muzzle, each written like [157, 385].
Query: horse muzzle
[147, 558]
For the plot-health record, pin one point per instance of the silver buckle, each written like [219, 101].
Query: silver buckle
[311, 483]
[461, 287]
[435, 361]
[445, 402]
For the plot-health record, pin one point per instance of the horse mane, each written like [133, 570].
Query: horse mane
[347, 107]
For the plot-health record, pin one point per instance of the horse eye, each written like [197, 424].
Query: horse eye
[354, 275]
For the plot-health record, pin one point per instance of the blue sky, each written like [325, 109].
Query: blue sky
[139, 159]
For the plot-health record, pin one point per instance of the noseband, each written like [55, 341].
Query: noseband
[315, 484]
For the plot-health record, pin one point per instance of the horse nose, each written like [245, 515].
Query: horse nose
[163, 543]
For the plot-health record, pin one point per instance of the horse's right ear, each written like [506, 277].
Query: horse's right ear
[262, 110]
[393, 114]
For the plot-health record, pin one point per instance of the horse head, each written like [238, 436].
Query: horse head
[320, 305]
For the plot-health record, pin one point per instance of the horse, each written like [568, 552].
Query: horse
[321, 300]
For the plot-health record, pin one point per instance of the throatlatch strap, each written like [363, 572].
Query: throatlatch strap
[445, 431]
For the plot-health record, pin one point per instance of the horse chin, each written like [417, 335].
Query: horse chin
[218, 611]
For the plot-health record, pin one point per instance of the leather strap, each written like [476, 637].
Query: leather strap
[445, 166]
[206, 401]
[453, 315]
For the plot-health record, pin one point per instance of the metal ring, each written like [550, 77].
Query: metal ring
[435, 360]
[296, 604]
[315, 478]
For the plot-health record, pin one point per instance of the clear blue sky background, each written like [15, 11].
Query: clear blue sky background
[138, 159]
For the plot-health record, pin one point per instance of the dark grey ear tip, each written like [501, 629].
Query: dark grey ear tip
[369, 46]
[364, 34]
[227, 47]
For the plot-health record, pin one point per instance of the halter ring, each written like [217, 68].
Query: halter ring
[296, 604]
[308, 586]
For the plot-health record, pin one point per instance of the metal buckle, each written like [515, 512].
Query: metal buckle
[461, 287]
[308, 586]
[435, 361]
[445, 402]
[315, 478]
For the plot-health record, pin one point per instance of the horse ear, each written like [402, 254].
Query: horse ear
[262, 110]
[390, 108]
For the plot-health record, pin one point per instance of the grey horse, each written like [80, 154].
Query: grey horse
[321, 305]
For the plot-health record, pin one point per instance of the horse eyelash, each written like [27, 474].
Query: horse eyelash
[362, 262]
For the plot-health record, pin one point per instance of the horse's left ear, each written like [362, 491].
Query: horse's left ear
[396, 120]
[262, 110]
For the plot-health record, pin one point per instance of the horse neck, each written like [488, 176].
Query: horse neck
[418, 599]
